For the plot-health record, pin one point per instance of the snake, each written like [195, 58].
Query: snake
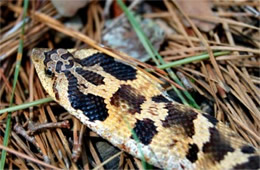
[126, 106]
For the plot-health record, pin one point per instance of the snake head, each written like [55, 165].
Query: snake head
[53, 61]
[49, 64]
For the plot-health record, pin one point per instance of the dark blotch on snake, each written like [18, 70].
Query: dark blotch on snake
[192, 154]
[252, 163]
[211, 119]
[217, 145]
[160, 99]
[58, 66]
[145, 130]
[128, 95]
[248, 149]
[66, 56]
[47, 55]
[92, 106]
[91, 77]
[70, 65]
[182, 117]
[117, 69]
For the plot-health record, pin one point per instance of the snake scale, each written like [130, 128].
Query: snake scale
[120, 102]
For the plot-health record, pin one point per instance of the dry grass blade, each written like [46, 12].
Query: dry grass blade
[14, 87]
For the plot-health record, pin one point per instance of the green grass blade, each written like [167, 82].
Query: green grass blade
[144, 164]
[191, 59]
[16, 74]
[26, 105]
[138, 31]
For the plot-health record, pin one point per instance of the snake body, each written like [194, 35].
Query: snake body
[124, 105]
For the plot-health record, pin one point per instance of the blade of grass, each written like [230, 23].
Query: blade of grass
[192, 59]
[16, 73]
[138, 31]
[26, 105]
[144, 164]
[153, 53]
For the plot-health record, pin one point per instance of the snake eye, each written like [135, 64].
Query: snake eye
[48, 72]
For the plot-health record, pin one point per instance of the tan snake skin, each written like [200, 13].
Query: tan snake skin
[112, 97]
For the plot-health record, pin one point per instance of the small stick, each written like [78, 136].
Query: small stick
[63, 124]
[20, 130]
